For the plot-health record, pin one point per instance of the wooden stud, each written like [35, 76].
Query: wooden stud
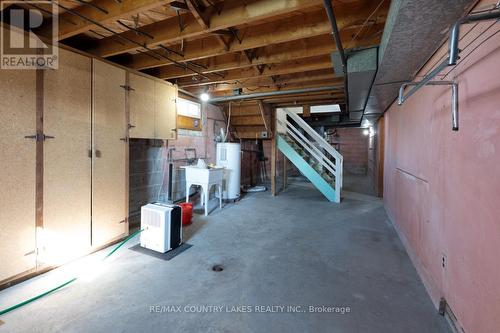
[127, 153]
[285, 177]
[39, 148]
[306, 111]
[273, 165]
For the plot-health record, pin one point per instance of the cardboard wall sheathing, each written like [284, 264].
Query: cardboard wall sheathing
[67, 166]
[142, 107]
[109, 190]
[17, 176]
[165, 110]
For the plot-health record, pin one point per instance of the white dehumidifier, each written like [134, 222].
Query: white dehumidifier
[162, 227]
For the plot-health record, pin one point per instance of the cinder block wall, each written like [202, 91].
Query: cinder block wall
[148, 161]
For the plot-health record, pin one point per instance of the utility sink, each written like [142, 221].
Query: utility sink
[206, 178]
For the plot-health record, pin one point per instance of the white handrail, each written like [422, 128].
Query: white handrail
[336, 167]
[299, 140]
[322, 159]
[318, 138]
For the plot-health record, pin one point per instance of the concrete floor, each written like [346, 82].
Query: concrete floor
[292, 250]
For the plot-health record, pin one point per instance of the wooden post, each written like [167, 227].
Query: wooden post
[273, 165]
[285, 177]
[39, 150]
[306, 111]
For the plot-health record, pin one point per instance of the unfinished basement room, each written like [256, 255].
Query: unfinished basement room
[242, 166]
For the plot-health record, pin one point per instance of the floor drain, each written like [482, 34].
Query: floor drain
[217, 268]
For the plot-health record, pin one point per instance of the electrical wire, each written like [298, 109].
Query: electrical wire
[228, 122]
[367, 20]
[70, 281]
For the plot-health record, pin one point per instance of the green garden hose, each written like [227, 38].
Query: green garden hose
[67, 282]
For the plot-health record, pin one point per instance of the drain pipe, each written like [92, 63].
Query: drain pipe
[338, 42]
[454, 97]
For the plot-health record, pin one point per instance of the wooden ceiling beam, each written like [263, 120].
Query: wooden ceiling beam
[233, 14]
[279, 82]
[303, 65]
[309, 103]
[115, 10]
[296, 28]
[251, 89]
[200, 16]
[278, 53]
[203, 19]
[303, 98]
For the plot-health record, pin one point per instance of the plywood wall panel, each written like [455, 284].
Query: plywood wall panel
[165, 110]
[109, 192]
[142, 107]
[67, 166]
[17, 176]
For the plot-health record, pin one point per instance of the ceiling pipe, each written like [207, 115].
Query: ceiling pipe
[335, 31]
[455, 31]
[272, 93]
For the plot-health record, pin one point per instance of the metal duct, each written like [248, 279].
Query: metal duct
[361, 70]
[414, 30]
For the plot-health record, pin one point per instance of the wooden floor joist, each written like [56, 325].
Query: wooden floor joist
[227, 47]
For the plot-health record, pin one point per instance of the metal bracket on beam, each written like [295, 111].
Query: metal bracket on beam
[39, 137]
[454, 96]
[451, 60]
[127, 87]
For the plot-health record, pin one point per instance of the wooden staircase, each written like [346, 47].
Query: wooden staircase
[310, 153]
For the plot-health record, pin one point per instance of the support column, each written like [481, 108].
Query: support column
[273, 165]
[285, 177]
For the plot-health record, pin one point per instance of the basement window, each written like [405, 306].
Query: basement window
[189, 122]
[328, 108]
[188, 108]
[325, 108]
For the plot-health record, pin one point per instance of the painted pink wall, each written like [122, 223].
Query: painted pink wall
[442, 188]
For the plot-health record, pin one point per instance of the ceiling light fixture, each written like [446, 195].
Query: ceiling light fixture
[204, 97]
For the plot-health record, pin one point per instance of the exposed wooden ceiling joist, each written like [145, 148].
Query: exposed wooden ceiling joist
[276, 53]
[303, 65]
[233, 14]
[278, 83]
[71, 25]
[300, 27]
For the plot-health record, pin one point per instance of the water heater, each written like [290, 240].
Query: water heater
[229, 156]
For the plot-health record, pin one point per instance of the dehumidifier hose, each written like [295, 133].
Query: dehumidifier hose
[62, 285]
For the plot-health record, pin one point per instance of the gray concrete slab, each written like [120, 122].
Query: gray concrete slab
[295, 249]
